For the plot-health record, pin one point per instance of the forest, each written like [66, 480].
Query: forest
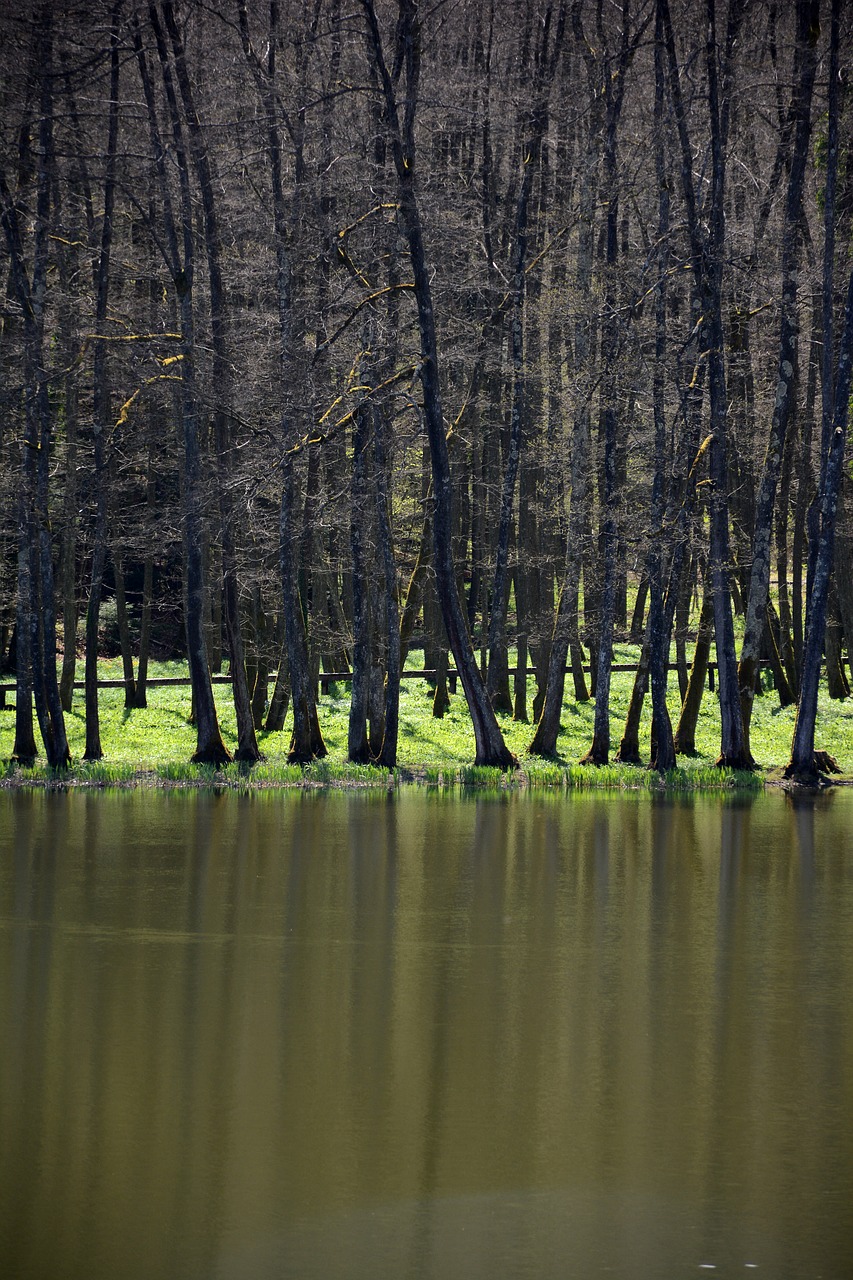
[333, 330]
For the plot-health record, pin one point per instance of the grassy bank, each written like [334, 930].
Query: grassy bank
[153, 746]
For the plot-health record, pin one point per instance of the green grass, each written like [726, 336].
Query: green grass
[154, 745]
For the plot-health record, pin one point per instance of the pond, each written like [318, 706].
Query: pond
[341, 1035]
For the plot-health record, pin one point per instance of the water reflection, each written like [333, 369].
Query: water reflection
[337, 1035]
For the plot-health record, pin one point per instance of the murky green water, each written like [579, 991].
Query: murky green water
[341, 1036]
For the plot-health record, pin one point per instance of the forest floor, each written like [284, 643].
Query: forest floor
[153, 746]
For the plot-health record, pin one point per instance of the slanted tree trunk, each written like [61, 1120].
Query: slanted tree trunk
[280, 695]
[808, 27]
[773, 642]
[306, 741]
[490, 746]
[685, 733]
[663, 751]
[247, 743]
[638, 614]
[801, 767]
[210, 748]
[707, 248]
[565, 637]
[417, 581]
[546, 58]
[836, 395]
[614, 90]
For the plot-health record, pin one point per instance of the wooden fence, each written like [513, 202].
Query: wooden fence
[327, 678]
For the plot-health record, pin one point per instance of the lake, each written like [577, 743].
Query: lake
[348, 1035]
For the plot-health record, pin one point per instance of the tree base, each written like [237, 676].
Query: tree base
[248, 755]
[814, 773]
[497, 759]
[628, 753]
[214, 753]
[304, 753]
[662, 762]
[597, 755]
[544, 742]
[743, 762]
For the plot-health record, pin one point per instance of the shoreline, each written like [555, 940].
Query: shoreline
[319, 775]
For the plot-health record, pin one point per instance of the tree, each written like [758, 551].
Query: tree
[613, 73]
[307, 739]
[755, 621]
[247, 744]
[802, 766]
[490, 746]
[36, 618]
[101, 402]
[181, 263]
[706, 229]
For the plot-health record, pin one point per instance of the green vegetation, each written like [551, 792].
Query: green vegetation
[153, 746]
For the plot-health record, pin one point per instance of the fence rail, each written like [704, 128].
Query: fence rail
[327, 678]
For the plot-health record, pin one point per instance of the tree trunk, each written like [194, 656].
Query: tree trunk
[247, 744]
[68, 561]
[685, 733]
[280, 695]
[141, 695]
[306, 743]
[124, 632]
[36, 656]
[808, 27]
[836, 681]
[836, 394]
[844, 569]
[599, 751]
[785, 640]
[210, 748]
[490, 746]
[519, 711]
[707, 250]
[24, 749]
[387, 756]
[358, 749]
[307, 740]
[101, 410]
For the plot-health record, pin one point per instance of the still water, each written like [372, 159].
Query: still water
[338, 1036]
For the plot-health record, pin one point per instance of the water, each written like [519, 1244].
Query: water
[339, 1036]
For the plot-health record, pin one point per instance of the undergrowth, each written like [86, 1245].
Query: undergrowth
[154, 746]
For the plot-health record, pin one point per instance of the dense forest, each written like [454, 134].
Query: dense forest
[330, 331]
